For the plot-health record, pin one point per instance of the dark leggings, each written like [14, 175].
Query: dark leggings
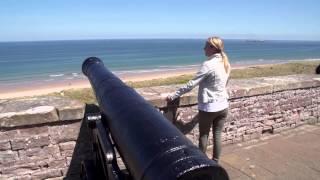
[216, 120]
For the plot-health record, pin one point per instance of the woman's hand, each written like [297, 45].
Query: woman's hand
[167, 96]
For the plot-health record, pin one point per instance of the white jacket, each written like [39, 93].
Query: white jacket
[212, 79]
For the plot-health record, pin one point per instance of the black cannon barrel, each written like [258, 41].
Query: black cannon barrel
[151, 147]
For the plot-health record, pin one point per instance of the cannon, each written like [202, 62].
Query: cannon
[151, 147]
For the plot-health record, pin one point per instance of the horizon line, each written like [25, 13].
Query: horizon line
[159, 38]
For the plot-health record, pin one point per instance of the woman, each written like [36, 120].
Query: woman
[212, 96]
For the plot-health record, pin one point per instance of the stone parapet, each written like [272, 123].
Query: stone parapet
[42, 138]
[45, 137]
[237, 88]
[258, 106]
[38, 110]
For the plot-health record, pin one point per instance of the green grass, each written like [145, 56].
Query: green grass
[86, 95]
[160, 82]
[276, 70]
[241, 73]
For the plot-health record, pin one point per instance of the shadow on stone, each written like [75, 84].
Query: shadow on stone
[83, 147]
[170, 112]
[187, 127]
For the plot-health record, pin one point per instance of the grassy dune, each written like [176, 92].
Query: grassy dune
[308, 67]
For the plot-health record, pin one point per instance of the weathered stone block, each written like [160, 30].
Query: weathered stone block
[250, 131]
[269, 122]
[262, 88]
[67, 145]
[237, 92]
[255, 135]
[312, 120]
[241, 129]
[73, 112]
[32, 131]
[28, 111]
[287, 107]
[67, 153]
[188, 99]
[246, 137]
[280, 129]
[57, 163]
[226, 142]
[32, 142]
[44, 174]
[57, 178]
[68, 160]
[275, 126]
[64, 133]
[38, 153]
[23, 177]
[8, 156]
[237, 139]
[285, 86]
[257, 124]
[8, 135]
[21, 169]
[234, 105]
[52, 150]
[36, 115]
[4, 145]
[278, 120]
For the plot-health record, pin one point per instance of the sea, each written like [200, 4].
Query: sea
[27, 63]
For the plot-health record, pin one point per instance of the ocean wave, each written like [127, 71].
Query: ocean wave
[178, 66]
[158, 69]
[311, 59]
[151, 70]
[56, 75]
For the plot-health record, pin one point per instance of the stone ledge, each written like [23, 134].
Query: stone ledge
[39, 110]
[236, 88]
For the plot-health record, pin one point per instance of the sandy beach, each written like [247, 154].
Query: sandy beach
[58, 86]
[46, 88]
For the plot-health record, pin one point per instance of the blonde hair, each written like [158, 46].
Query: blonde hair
[218, 44]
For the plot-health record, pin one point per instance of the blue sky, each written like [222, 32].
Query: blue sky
[22, 20]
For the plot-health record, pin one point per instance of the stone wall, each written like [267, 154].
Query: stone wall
[42, 138]
[45, 137]
[258, 107]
